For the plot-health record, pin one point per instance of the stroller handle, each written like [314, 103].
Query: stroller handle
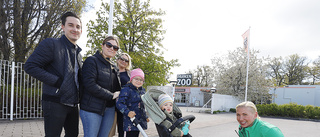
[180, 120]
[136, 123]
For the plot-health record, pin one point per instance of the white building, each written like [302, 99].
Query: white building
[300, 94]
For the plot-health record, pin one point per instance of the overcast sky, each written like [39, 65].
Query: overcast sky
[198, 30]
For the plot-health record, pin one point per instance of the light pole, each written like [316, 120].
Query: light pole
[173, 89]
[111, 18]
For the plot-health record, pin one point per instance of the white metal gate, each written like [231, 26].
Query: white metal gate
[20, 94]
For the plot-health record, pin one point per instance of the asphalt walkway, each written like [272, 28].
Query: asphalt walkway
[205, 125]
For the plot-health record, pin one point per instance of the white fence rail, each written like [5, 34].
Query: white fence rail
[20, 94]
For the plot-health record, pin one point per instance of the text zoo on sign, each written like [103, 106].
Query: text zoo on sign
[184, 79]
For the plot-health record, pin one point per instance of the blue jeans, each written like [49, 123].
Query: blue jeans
[95, 125]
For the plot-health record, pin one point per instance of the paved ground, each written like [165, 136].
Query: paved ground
[205, 125]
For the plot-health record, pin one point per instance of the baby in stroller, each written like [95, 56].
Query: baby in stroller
[166, 115]
[166, 105]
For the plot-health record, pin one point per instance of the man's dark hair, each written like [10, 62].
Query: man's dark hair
[67, 14]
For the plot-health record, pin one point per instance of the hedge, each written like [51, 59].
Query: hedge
[291, 110]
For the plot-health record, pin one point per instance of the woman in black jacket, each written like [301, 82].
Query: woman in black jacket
[124, 65]
[101, 87]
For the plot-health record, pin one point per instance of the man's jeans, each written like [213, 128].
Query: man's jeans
[95, 125]
[57, 116]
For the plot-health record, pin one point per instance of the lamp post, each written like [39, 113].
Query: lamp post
[212, 90]
[173, 88]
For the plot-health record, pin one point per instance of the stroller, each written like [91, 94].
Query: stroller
[150, 100]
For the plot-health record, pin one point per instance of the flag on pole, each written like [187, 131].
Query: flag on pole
[246, 44]
[245, 37]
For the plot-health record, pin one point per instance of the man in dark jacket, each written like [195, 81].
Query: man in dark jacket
[57, 63]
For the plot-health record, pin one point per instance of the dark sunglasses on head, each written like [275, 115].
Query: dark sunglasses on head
[109, 45]
[123, 59]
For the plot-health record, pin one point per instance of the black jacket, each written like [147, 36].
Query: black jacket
[49, 63]
[99, 85]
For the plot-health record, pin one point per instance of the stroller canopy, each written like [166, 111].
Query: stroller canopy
[150, 100]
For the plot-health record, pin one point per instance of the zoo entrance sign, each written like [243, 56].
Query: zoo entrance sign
[184, 79]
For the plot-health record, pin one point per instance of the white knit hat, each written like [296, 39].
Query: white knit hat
[163, 99]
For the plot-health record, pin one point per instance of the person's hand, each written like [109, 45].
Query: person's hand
[131, 114]
[116, 94]
[148, 120]
[188, 122]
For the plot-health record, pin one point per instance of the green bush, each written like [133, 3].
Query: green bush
[218, 111]
[291, 110]
[312, 112]
[232, 110]
[268, 109]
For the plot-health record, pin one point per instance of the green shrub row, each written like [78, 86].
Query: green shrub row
[291, 110]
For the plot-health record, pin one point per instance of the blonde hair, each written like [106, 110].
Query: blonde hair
[128, 68]
[250, 105]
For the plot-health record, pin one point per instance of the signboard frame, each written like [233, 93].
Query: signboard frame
[184, 79]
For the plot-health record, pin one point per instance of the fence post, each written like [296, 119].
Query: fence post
[212, 103]
[12, 91]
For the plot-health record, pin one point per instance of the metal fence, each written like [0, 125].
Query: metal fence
[20, 94]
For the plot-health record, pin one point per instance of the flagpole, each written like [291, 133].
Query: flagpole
[245, 97]
[110, 18]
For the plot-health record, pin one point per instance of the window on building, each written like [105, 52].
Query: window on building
[181, 98]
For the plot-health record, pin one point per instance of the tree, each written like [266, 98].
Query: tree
[202, 76]
[295, 67]
[24, 23]
[230, 75]
[139, 29]
[314, 71]
[276, 71]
